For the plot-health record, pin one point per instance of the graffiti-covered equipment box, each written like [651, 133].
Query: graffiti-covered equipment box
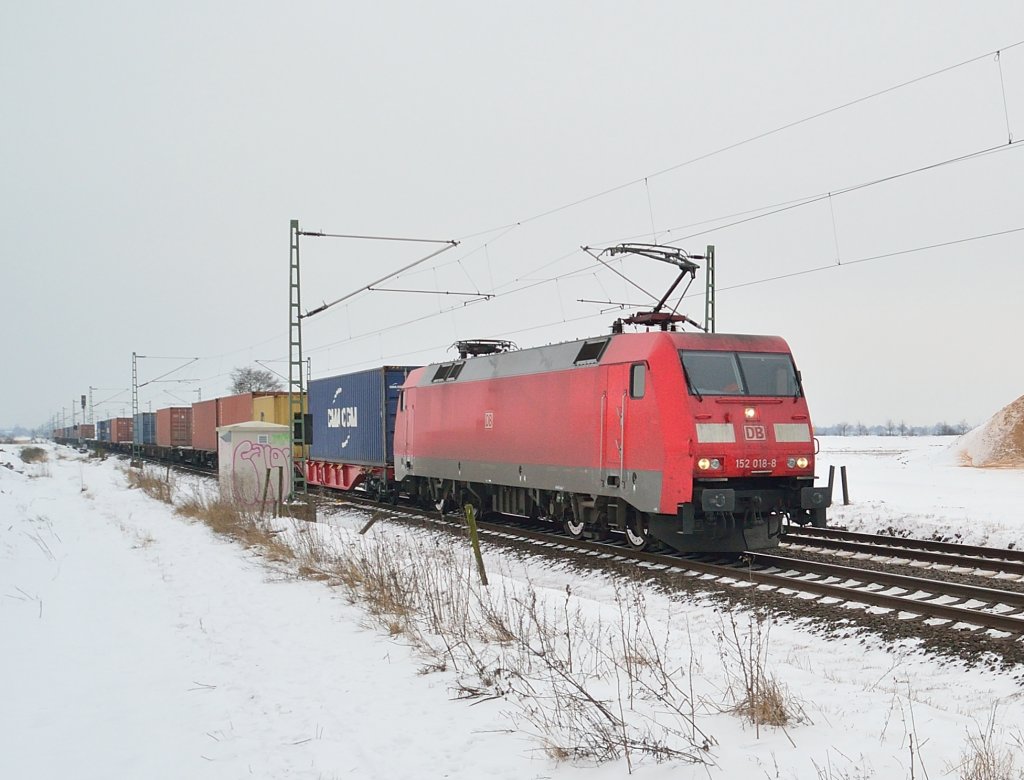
[254, 462]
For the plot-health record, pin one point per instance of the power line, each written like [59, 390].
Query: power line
[796, 203]
[833, 266]
[751, 139]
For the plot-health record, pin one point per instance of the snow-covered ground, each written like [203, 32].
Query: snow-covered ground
[919, 485]
[137, 643]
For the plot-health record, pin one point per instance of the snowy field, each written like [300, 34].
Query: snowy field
[137, 643]
[918, 486]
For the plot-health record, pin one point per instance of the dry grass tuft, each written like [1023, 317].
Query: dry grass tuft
[152, 484]
[34, 455]
[759, 696]
[986, 756]
[227, 518]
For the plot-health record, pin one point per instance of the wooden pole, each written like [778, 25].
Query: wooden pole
[475, 539]
[266, 487]
[373, 519]
[280, 492]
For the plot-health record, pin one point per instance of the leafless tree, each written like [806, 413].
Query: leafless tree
[253, 380]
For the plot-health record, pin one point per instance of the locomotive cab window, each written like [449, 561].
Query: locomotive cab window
[637, 380]
[767, 373]
[740, 373]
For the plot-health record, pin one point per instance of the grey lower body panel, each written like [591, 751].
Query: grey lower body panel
[640, 489]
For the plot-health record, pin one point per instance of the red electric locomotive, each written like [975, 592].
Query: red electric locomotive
[700, 441]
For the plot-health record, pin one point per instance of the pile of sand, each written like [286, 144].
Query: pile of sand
[999, 443]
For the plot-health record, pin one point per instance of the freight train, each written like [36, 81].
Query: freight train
[701, 442]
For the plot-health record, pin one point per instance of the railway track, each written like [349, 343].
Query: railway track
[971, 557]
[941, 603]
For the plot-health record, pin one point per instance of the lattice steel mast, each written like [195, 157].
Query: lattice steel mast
[296, 375]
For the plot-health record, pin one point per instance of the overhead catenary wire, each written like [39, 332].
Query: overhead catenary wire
[756, 213]
[325, 306]
[749, 140]
[172, 371]
[752, 215]
[507, 228]
[764, 280]
[1002, 87]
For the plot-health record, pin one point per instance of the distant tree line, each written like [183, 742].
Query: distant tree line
[893, 428]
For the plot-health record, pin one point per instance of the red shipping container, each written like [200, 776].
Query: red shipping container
[174, 426]
[235, 409]
[205, 419]
[87, 431]
[121, 429]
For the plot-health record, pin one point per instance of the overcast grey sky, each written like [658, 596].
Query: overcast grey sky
[154, 153]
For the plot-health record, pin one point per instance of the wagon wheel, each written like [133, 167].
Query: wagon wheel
[572, 526]
[638, 533]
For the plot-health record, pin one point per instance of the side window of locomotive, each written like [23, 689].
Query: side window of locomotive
[401, 400]
[769, 374]
[447, 372]
[712, 373]
[591, 352]
[637, 380]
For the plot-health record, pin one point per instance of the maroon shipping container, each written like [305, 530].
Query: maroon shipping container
[205, 419]
[121, 429]
[87, 431]
[174, 426]
[235, 408]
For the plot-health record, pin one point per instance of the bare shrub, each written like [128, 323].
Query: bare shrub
[565, 676]
[232, 520]
[986, 756]
[584, 688]
[34, 455]
[150, 482]
[758, 696]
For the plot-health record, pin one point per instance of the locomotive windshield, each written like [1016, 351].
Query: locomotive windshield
[740, 373]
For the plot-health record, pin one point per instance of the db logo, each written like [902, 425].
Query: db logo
[754, 433]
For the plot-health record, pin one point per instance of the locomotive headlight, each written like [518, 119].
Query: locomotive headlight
[791, 463]
[750, 413]
[716, 463]
[801, 463]
[703, 464]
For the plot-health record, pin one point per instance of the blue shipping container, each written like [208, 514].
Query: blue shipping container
[103, 430]
[354, 416]
[144, 429]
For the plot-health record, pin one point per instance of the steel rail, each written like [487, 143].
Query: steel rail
[910, 584]
[1010, 623]
[991, 561]
[977, 551]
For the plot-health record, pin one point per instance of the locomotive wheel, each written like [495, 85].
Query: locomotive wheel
[638, 535]
[572, 526]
